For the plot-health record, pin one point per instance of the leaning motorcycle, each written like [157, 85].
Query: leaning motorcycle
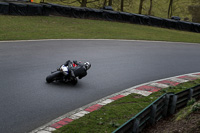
[63, 74]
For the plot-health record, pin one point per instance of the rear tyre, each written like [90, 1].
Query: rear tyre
[53, 77]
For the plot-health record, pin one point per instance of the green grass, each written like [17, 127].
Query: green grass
[111, 116]
[52, 27]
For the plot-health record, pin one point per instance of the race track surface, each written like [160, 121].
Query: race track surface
[27, 101]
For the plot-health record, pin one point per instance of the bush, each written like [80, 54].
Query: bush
[196, 107]
[191, 102]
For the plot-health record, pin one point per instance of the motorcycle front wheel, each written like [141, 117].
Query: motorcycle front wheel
[53, 77]
[74, 81]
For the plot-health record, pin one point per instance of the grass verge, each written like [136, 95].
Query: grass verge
[53, 27]
[111, 116]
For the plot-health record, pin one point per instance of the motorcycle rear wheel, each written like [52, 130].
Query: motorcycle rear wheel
[53, 77]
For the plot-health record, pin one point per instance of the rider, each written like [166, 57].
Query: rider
[77, 69]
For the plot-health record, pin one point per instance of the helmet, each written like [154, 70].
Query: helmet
[87, 65]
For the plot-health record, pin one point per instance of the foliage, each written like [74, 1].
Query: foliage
[194, 10]
[196, 2]
[191, 102]
[159, 8]
[196, 107]
[185, 112]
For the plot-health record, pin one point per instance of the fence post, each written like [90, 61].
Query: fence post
[136, 126]
[190, 93]
[153, 114]
[173, 104]
[165, 110]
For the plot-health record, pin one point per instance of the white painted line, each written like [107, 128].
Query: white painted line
[50, 129]
[159, 85]
[40, 40]
[126, 93]
[179, 80]
[43, 131]
[74, 117]
[107, 101]
[144, 93]
[194, 76]
[79, 114]
[96, 40]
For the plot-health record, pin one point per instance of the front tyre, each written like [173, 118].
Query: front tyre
[53, 77]
[74, 81]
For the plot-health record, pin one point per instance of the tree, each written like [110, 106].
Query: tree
[150, 8]
[196, 2]
[170, 11]
[104, 3]
[84, 2]
[140, 6]
[110, 2]
[122, 5]
[194, 11]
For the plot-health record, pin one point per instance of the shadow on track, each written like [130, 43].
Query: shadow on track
[61, 85]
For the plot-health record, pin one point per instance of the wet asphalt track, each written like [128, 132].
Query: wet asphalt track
[27, 102]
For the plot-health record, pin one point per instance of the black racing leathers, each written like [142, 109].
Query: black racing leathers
[77, 71]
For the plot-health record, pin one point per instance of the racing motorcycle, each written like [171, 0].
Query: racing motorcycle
[69, 73]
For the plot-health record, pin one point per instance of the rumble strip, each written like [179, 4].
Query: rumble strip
[143, 89]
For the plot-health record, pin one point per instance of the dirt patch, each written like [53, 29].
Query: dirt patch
[190, 124]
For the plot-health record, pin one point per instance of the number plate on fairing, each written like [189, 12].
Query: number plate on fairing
[64, 68]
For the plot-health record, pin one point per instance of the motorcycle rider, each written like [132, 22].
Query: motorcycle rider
[77, 69]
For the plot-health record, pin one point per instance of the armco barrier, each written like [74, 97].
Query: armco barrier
[164, 106]
[14, 8]
[18, 9]
[4, 8]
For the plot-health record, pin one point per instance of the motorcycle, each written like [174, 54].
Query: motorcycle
[69, 74]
